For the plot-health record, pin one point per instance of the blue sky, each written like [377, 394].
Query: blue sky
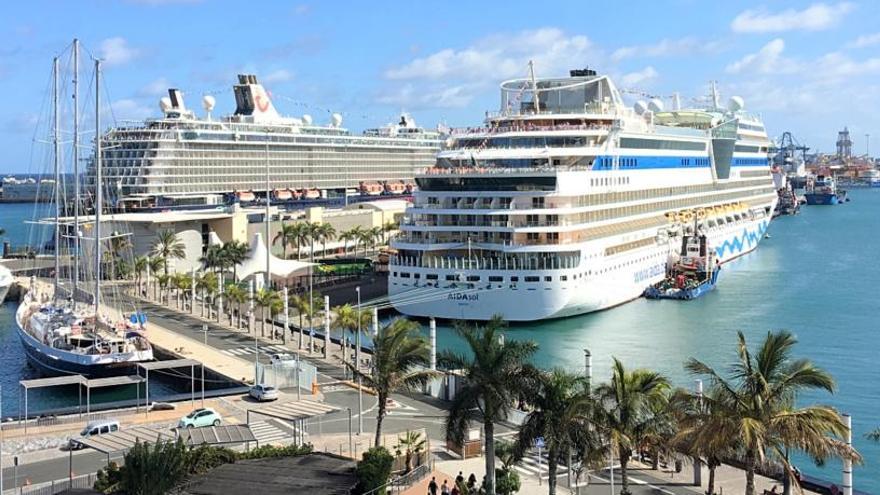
[808, 67]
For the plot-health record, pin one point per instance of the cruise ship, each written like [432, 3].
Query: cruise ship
[568, 201]
[180, 159]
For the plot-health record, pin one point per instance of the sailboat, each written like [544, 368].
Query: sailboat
[60, 334]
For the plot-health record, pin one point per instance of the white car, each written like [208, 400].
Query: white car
[282, 359]
[263, 393]
[93, 429]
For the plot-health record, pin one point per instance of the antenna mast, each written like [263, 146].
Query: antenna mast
[76, 192]
[57, 143]
[99, 194]
[535, 100]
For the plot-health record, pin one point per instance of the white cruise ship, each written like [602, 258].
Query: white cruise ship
[181, 159]
[567, 201]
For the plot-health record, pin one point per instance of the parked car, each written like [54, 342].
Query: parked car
[282, 359]
[94, 428]
[200, 417]
[263, 393]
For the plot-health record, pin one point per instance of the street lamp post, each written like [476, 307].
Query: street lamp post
[350, 441]
[357, 364]
[205, 329]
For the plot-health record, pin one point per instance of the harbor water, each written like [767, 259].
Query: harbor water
[816, 275]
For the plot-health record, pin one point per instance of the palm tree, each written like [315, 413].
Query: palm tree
[312, 232]
[562, 411]
[139, 267]
[234, 254]
[206, 283]
[306, 308]
[387, 228]
[286, 236]
[629, 403]
[154, 264]
[235, 293]
[164, 280]
[269, 302]
[874, 435]
[412, 443]
[705, 429]
[357, 235]
[373, 236]
[168, 245]
[214, 258]
[347, 319]
[495, 375]
[759, 396]
[326, 233]
[118, 248]
[400, 359]
[346, 237]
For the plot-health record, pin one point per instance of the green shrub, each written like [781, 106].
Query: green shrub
[204, 458]
[153, 469]
[272, 451]
[506, 481]
[374, 470]
[108, 480]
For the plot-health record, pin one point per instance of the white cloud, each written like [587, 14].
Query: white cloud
[412, 98]
[159, 3]
[302, 9]
[666, 47]
[639, 77]
[502, 56]
[865, 40]
[131, 109]
[816, 17]
[766, 60]
[115, 51]
[278, 76]
[156, 88]
[22, 123]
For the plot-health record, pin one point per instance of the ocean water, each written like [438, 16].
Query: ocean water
[817, 276]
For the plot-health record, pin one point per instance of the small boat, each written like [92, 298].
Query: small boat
[694, 274]
[824, 191]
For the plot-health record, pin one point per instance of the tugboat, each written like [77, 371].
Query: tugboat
[692, 275]
[824, 191]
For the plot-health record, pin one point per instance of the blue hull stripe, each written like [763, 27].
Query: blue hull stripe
[745, 240]
[643, 162]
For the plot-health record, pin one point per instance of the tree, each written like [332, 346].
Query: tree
[168, 245]
[182, 283]
[562, 409]
[759, 396]
[388, 228]
[153, 469]
[164, 281]
[705, 429]
[214, 258]
[495, 376]
[400, 359]
[347, 319]
[206, 283]
[374, 469]
[234, 254]
[346, 237]
[270, 303]
[306, 308]
[326, 233]
[412, 443]
[154, 264]
[287, 236]
[874, 435]
[235, 293]
[357, 234]
[628, 402]
[313, 233]
[139, 267]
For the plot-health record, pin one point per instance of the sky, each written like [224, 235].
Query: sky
[807, 67]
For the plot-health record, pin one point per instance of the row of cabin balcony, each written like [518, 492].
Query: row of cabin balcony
[463, 261]
[487, 203]
[481, 221]
[509, 239]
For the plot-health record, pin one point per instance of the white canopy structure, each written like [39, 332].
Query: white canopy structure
[281, 269]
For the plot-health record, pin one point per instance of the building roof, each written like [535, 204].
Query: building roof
[216, 435]
[171, 363]
[256, 262]
[124, 439]
[53, 381]
[314, 474]
[381, 205]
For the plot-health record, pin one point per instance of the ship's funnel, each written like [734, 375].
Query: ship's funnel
[253, 100]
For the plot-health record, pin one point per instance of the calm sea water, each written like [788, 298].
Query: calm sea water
[817, 276]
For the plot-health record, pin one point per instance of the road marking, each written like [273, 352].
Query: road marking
[268, 433]
[532, 465]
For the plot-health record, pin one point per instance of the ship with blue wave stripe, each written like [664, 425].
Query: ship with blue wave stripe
[570, 199]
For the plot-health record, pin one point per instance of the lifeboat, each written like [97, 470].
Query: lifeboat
[310, 193]
[282, 194]
[396, 187]
[245, 196]
[410, 187]
[371, 188]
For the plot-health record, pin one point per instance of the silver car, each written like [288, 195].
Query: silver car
[263, 393]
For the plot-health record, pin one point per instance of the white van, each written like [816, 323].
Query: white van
[95, 428]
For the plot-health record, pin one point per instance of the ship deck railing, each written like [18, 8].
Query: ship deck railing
[474, 131]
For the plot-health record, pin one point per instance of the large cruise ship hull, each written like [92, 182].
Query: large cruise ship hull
[544, 300]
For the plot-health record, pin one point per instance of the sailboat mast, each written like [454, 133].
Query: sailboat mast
[535, 98]
[76, 192]
[268, 223]
[57, 143]
[99, 195]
